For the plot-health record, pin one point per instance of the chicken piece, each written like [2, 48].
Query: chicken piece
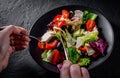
[90, 51]
[47, 36]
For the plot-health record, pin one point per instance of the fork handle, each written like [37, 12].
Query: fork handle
[30, 36]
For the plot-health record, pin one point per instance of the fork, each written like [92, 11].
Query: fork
[31, 36]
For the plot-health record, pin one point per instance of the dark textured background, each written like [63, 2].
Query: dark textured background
[24, 13]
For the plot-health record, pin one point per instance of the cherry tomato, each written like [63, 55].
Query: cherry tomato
[56, 18]
[65, 13]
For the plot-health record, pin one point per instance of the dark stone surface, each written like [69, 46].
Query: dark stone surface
[25, 13]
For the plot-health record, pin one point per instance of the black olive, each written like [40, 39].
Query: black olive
[64, 27]
[60, 47]
[71, 14]
[83, 26]
[70, 29]
[84, 54]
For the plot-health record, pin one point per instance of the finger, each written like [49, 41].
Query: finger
[22, 30]
[85, 73]
[20, 47]
[65, 70]
[12, 29]
[59, 66]
[23, 38]
[75, 71]
[20, 43]
[19, 30]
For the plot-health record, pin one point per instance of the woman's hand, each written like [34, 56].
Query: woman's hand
[10, 41]
[69, 70]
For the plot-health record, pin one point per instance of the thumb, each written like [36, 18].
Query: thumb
[6, 60]
[85, 72]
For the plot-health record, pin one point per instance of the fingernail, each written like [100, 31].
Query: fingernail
[59, 66]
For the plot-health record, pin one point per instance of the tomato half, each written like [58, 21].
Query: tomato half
[90, 25]
[51, 45]
[56, 56]
[41, 45]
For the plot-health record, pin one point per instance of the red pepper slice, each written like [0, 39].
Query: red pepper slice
[83, 48]
[90, 25]
[51, 45]
[61, 24]
[41, 45]
[65, 13]
[56, 56]
[96, 54]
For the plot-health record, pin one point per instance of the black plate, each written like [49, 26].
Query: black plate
[40, 27]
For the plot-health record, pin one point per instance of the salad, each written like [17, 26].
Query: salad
[75, 32]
